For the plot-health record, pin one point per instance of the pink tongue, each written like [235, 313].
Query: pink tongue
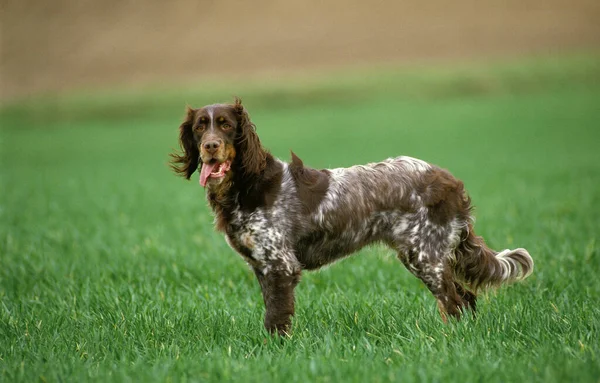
[205, 172]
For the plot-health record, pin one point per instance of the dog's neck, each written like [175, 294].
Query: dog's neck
[244, 192]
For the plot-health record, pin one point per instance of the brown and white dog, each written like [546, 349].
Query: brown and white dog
[285, 217]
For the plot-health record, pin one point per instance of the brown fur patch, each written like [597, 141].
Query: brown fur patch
[311, 184]
[258, 190]
[444, 196]
[254, 157]
[247, 241]
[243, 250]
[186, 163]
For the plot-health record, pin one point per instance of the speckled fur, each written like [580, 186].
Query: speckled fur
[287, 218]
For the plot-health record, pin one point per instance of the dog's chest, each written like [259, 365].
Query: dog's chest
[245, 234]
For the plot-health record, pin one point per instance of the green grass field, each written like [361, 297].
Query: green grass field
[110, 268]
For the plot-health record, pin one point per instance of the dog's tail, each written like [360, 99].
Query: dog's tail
[481, 267]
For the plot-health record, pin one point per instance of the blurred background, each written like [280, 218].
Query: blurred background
[58, 46]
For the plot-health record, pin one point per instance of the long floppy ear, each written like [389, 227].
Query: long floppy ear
[186, 163]
[253, 156]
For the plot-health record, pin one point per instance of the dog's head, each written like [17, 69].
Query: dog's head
[221, 140]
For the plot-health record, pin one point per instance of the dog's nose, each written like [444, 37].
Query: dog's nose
[212, 146]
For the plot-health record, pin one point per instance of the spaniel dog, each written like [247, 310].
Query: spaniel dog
[283, 218]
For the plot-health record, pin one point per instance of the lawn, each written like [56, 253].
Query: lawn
[110, 268]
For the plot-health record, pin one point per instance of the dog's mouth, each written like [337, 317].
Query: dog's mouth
[213, 170]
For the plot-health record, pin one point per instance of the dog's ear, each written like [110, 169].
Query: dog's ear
[186, 163]
[253, 156]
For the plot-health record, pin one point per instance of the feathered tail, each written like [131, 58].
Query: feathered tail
[480, 267]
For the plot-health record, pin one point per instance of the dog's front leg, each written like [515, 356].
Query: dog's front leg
[277, 281]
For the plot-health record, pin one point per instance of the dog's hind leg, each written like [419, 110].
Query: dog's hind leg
[468, 296]
[437, 274]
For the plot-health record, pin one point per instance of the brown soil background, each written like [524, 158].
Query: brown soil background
[56, 46]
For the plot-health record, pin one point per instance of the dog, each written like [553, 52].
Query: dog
[283, 218]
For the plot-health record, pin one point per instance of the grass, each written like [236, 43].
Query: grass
[110, 269]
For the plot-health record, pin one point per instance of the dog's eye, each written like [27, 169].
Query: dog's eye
[199, 127]
[226, 127]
